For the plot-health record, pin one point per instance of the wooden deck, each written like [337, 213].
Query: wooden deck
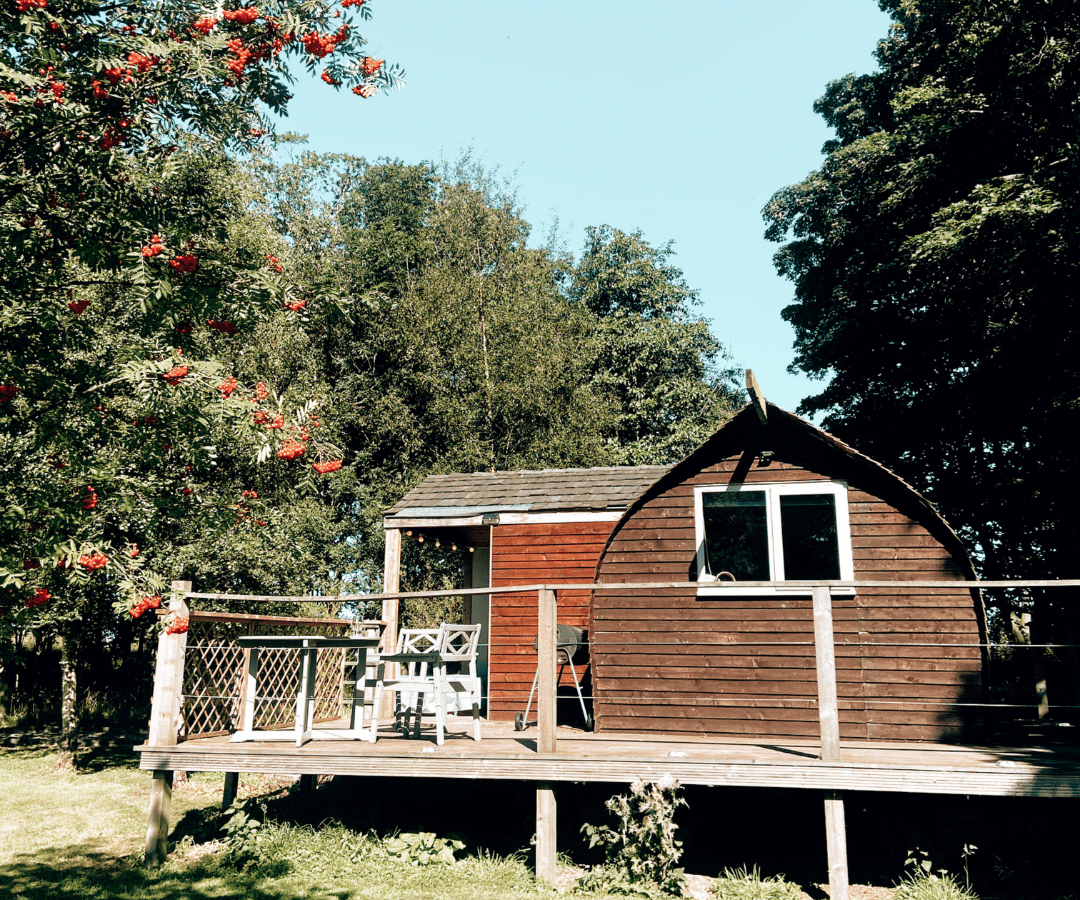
[1050, 771]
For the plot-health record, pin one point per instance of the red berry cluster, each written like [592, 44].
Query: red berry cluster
[115, 74]
[291, 449]
[177, 624]
[319, 45]
[93, 561]
[205, 25]
[364, 90]
[140, 62]
[261, 391]
[329, 79]
[294, 305]
[241, 55]
[144, 604]
[184, 264]
[26, 5]
[223, 327]
[228, 386]
[273, 262]
[79, 306]
[175, 375]
[31, 563]
[347, 3]
[260, 418]
[90, 500]
[40, 598]
[8, 392]
[244, 16]
[325, 468]
[369, 66]
[154, 247]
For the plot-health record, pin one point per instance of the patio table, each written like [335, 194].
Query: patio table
[309, 647]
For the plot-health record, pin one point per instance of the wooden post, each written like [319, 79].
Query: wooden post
[546, 617]
[390, 608]
[825, 652]
[836, 845]
[545, 683]
[232, 783]
[826, 675]
[165, 725]
[546, 868]
[157, 832]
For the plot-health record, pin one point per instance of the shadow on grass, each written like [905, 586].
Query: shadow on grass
[79, 871]
[98, 759]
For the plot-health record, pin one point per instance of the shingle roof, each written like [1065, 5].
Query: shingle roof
[547, 490]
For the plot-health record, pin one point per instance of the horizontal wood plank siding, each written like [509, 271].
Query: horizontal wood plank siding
[564, 552]
[666, 660]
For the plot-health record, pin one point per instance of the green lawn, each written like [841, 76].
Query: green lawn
[80, 834]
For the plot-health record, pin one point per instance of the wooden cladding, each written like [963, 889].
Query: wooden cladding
[565, 552]
[907, 662]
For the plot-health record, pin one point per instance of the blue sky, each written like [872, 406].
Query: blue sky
[680, 119]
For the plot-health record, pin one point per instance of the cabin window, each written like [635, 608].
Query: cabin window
[772, 532]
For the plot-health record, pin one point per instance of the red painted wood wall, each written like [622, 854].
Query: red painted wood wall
[672, 662]
[565, 552]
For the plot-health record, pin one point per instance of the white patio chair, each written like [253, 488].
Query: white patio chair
[425, 655]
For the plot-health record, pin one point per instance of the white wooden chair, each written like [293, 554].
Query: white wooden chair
[425, 655]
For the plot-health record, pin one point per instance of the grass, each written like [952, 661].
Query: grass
[79, 834]
[748, 884]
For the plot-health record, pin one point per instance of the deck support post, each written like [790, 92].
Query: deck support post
[828, 712]
[232, 784]
[165, 724]
[546, 869]
[547, 613]
[390, 609]
[157, 832]
[836, 845]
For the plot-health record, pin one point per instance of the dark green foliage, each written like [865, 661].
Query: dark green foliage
[650, 356]
[934, 256]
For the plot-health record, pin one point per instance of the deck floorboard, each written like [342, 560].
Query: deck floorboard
[1049, 771]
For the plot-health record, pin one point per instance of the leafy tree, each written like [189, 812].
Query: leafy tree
[658, 363]
[934, 256]
[111, 252]
[459, 352]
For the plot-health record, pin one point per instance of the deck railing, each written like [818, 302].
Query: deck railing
[171, 680]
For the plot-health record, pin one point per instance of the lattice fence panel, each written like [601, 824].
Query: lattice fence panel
[213, 678]
[215, 673]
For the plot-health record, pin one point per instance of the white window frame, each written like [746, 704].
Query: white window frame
[773, 492]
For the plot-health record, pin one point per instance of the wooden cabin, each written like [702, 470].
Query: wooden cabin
[768, 498]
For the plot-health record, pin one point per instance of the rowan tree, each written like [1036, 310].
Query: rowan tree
[118, 250]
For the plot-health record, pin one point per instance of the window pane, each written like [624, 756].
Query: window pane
[808, 526]
[736, 534]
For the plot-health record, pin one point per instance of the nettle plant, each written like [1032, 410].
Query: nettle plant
[641, 853]
[123, 274]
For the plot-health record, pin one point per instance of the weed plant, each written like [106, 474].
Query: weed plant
[928, 886]
[740, 884]
[641, 852]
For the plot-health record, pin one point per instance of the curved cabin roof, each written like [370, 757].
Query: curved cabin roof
[796, 441]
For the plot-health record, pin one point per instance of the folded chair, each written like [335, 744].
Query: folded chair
[436, 663]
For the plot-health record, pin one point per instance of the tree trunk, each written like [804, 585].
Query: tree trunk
[69, 726]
